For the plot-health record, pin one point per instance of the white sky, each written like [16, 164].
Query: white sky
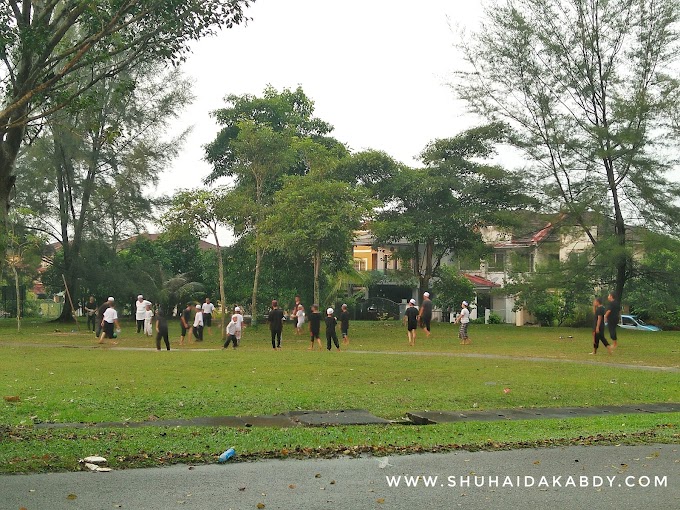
[377, 70]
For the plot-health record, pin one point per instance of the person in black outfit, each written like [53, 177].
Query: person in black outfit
[344, 325]
[612, 316]
[426, 313]
[315, 327]
[100, 314]
[411, 319]
[331, 322]
[90, 309]
[275, 319]
[185, 323]
[162, 331]
[598, 327]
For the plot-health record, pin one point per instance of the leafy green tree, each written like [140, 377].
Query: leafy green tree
[316, 218]
[201, 211]
[46, 45]
[591, 92]
[85, 176]
[452, 288]
[262, 140]
[439, 209]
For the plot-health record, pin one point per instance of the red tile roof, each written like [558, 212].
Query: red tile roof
[478, 281]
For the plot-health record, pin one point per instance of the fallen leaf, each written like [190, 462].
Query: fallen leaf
[291, 486]
[537, 462]
[12, 398]
[318, 475]
[380, 500]
[506, 390]
[71, 497]
[260, 506]
[332, 482]
[241, 489]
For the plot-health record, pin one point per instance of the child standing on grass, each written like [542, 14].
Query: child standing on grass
[344, 325]
[464, 319]
[315, 327]
[331, 322]
[232, 327]
[300, 316]
[198, 324]
[148, 318]
[162, 331]
[411, 320]
[598, 326]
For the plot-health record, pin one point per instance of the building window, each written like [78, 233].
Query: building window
[361, 264]
[496, 261]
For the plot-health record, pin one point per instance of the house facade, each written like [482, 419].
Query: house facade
[509, 250]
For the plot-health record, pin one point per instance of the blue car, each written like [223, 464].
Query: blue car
[632, 322]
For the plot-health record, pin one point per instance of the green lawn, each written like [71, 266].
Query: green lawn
[93, 383]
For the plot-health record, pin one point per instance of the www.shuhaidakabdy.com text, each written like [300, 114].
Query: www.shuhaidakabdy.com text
[526, 482]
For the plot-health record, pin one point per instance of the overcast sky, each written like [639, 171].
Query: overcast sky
[377, 70]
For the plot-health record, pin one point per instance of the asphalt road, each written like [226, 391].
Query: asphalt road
[592, 477]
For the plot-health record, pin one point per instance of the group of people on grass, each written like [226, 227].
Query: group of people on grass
[103, 320]
[277, 317]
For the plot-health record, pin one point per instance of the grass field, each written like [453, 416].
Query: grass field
[91, 383]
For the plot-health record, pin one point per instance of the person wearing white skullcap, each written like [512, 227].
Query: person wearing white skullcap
[140, 312]
[426, 313]
[411, 321]
[239, 325]
[464, 320]
[331, 323]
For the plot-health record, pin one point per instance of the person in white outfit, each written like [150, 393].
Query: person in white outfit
[300, 314]
[148, 318]
[140, 311]
[198, 324]
[464, 319]
[240, 327]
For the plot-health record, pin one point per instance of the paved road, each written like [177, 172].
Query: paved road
[358, 484]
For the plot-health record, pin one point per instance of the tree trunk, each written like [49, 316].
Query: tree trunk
[16, 287]
[256, 282]
[220, 270]
[425, 277]
[317, 270]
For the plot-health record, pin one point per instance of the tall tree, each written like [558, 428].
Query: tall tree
[439, 209]
[46, 45]
[591, 90]
[85, 175]
[263, 139]
[327, 213]
[202, 211]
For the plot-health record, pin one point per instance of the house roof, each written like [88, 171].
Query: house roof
[478, 281]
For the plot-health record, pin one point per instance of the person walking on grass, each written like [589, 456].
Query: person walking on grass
[300, 318]
[232, 327]
[208, 309]
[198, 324]
[90, 310]
[240, 327]
[464, 320]
[331, 323]
[315, 327]
[140, 312]
[109, 320]
[598, 327]
[162, 331]
[100, 315]
[344, 324]
[293, 312]
[411, 321]
[185, 324]
[612, 317]
[148, 321]
[275, 319]
[426, 313]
